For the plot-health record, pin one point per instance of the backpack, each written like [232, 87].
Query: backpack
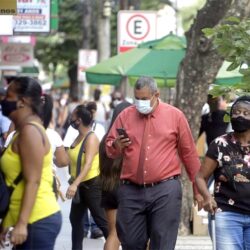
[6, 192]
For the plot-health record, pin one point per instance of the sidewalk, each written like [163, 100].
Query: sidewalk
[183, 243]
[193, 243]
[64, 239]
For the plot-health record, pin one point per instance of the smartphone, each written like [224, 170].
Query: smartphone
[122, 131]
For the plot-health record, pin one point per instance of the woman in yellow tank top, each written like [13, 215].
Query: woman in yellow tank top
[33, 211]
[87, 181]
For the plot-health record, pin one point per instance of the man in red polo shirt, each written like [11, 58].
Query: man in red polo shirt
[158, 137]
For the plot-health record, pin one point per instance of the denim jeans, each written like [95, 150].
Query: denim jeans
[232, 231]
[42, 234]
[89, 223]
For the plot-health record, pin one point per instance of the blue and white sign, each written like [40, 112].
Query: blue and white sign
[32, 16]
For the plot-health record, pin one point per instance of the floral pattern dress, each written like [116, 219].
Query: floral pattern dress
[232, 175]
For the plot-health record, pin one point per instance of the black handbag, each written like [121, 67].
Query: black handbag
[6, 192]
[77, 199]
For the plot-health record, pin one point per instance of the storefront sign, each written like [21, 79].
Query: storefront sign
[16, 54]
[32, 16]
[8, 7]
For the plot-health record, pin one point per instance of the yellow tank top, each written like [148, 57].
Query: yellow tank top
[73, 154]
[45, 203]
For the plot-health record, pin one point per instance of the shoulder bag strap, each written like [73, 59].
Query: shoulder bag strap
[79, 157]
[20, 176]
[39, 129]
[18, 179]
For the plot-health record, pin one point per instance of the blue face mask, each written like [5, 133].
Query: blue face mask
[143, 106]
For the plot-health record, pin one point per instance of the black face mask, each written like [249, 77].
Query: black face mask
[240, 124]
[74, 125]
[8, 107]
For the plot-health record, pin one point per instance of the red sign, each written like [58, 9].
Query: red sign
[16, 54]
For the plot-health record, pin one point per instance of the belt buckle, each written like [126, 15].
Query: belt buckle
[145, 185]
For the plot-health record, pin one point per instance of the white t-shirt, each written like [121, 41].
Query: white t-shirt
[54, 139]
[100, 114]
[72, 133]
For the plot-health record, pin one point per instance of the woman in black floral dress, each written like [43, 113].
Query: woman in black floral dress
[228, 159]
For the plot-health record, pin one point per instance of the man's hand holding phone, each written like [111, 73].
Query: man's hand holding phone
[122, 141]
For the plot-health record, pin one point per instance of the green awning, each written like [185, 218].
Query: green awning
[61, 83]
[159, 59]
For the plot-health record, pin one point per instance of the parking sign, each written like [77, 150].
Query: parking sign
[135, 27]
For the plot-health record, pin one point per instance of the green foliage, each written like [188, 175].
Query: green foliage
[62, 48]
[152, 4]
[230, 93]
[232, 40]
[187, 14]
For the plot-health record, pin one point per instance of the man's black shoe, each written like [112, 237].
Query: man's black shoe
[96, 234]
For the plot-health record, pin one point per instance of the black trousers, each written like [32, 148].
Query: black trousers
[149, 213]
[90, 193]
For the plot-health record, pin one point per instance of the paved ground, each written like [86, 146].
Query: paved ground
[64, 242]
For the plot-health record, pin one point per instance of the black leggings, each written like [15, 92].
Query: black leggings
[90, 193]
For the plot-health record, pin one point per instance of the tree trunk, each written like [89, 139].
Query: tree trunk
[124, 4]
[87, 20]
[87, 24]
[72, 73]
[197, 71]
[103, 33]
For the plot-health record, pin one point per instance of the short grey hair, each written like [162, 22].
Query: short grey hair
[145, 81]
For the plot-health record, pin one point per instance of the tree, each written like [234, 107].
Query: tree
[76, 30]
[232, 40]
[198, 70]
[81, 26]
[103, 30]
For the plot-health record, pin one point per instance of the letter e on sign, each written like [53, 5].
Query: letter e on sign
[138, 27]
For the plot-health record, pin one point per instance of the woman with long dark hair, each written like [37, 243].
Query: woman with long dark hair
[110, 170]
[33, 211]
[86, 183]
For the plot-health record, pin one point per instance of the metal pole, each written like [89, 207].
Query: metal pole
[213, 231]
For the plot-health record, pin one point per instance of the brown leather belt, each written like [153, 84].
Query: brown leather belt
[146, 185]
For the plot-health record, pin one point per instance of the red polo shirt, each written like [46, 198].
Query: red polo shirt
[169, 139]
